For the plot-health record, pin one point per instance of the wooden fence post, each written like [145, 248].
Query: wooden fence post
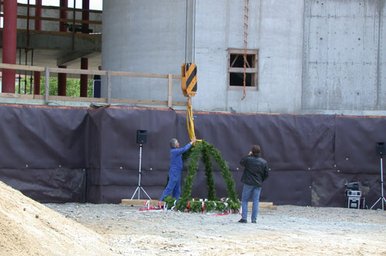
[47, 84]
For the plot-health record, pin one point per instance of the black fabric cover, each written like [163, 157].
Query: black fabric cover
[61, 154]
[42, 151]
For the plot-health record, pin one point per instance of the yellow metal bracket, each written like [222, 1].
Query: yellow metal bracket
[189, 79]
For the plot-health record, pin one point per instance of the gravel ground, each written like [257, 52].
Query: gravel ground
[287, 230]
[30, 228]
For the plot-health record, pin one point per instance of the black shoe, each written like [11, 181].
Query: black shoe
[253, 221]
[243, 221]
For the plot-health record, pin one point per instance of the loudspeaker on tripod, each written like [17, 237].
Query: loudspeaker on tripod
[380, 148]
[141, 136]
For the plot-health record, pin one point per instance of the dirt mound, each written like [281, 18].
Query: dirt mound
[30, 228]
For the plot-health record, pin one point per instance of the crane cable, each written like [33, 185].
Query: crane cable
[189, 109]
[246, 14]
[192, 43]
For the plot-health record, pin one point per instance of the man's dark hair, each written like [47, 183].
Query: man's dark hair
[256, 150]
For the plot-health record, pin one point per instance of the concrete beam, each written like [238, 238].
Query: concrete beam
[58, 41]
[67, 58]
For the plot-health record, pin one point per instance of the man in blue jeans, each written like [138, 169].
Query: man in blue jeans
[255, 172]
[173, 187]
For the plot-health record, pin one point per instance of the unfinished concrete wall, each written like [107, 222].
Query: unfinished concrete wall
[149, 36]
[344, 56]
[276, 31]
[143, 36]
[314, 56]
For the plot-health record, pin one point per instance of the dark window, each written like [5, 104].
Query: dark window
[237, 69]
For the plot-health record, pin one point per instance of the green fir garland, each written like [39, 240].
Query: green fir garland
[209, 173]
[207, 152]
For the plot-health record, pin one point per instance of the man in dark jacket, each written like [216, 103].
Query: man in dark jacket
[255, 172]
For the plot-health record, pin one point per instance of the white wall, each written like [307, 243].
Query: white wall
[143, 36]
[342, 56]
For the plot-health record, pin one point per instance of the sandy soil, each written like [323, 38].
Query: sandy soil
[29, 228]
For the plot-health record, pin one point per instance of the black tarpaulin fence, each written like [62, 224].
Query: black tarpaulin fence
[62, 154]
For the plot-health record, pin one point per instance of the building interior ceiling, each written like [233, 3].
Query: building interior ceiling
[48, 48]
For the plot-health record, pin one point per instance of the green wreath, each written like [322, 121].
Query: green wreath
[207, 152]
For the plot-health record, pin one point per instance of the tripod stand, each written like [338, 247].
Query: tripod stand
[139, 187]
[381, 198]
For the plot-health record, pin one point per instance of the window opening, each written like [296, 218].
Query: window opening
[236, 68]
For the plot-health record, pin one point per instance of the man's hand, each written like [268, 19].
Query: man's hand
[193, 140]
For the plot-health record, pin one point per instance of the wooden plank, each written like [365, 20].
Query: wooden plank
[87, 71]
[138, 202]
[91, 100]
[77, 71]
[137, 74]
[21, 67]
[263, 205]
[142, 203]
[147, 102]
[16, 96]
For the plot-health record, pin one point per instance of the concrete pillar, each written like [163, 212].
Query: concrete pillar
[38, 27]
[63, 15]
[85, 15]
[83, 78]
[62, 80]
[9, 44]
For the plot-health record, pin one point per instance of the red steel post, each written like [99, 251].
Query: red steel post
[63, 15]
[9, 44]
[62, 80]
[83, 78]
[62, 77]
[85, 15]
[84, 61]
[38, 27]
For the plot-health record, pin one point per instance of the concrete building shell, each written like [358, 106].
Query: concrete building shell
[314, 56]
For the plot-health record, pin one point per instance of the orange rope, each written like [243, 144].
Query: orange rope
[246, 11]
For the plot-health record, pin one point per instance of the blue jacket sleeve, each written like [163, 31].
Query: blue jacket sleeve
[183, 149]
